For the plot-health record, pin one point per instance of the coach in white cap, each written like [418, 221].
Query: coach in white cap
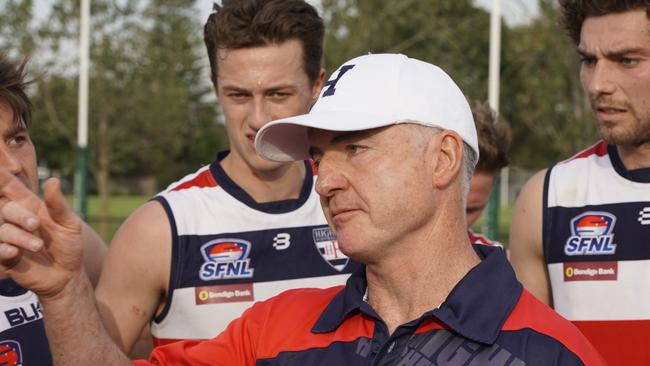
[395, 144]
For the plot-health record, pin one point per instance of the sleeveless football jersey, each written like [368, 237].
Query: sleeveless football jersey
[596, 236]
[22, 333]
[229, 251]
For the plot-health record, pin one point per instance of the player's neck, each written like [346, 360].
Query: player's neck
[635, 157]
[282, 183]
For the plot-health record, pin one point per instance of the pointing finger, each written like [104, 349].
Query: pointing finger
[13, 189]
[56, 204]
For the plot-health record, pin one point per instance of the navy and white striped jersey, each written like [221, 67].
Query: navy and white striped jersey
[596, 235]
[229, 251]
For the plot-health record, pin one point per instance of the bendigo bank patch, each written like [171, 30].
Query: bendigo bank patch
[590, 271]
[223, 293]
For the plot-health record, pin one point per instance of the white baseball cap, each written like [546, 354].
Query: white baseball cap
[373, 91]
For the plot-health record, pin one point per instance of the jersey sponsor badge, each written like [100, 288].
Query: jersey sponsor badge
[590, 271]
[225, 259]
[328, 247]
[223, 293]
[10, 353]
[592, 234]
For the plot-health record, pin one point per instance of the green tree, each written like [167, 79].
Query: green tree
[151, 110]
[453, 34]
[16, 27]
[177, 129]
[542, 96]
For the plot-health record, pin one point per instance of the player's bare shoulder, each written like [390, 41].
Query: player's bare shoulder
[146, 231]
[526, 226]
[526, 249]
[142, 244]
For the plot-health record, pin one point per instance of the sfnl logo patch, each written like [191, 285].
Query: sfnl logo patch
[592, 234]
[328, 247]
[10, 353]
[226, 259]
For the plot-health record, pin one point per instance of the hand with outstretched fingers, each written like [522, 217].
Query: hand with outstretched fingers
[40, 240]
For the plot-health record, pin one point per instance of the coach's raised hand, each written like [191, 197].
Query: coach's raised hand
[40, 241]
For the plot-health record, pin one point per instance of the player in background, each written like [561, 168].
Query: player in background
[580, 231]
[494, 137]
[22, 335]
[241, 229]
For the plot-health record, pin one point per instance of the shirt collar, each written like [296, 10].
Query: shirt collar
[476, 307]
[344, 303]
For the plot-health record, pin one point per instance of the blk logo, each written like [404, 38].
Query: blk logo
[22, 315]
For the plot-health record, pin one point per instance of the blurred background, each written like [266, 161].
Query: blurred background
[153, 117]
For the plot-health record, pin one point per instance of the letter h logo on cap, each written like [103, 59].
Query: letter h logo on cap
[331, 83]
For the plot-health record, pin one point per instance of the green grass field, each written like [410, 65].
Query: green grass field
[118, 209]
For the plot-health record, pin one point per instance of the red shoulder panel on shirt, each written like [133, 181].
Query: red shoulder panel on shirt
[202, 180]
[599, 149]
[533, 314]
[290, 317]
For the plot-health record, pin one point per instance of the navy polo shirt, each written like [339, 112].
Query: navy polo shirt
[487, 319]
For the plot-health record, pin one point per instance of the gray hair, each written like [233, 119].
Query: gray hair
[470, 159]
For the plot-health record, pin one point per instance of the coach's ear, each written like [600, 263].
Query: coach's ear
[448, 159]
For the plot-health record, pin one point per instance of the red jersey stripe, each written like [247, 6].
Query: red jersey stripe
[599, 149]
[202, 180]
[314, 168]
[611, 336]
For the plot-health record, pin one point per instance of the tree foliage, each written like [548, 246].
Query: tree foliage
[151, 110]
[448, 33]
[541, 95]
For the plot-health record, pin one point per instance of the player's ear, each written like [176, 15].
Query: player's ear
[318, 84]
[448, 158]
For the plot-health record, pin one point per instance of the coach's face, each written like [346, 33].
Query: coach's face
[257, 85]
[17, 153]
[375, 188]
[615, 51]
